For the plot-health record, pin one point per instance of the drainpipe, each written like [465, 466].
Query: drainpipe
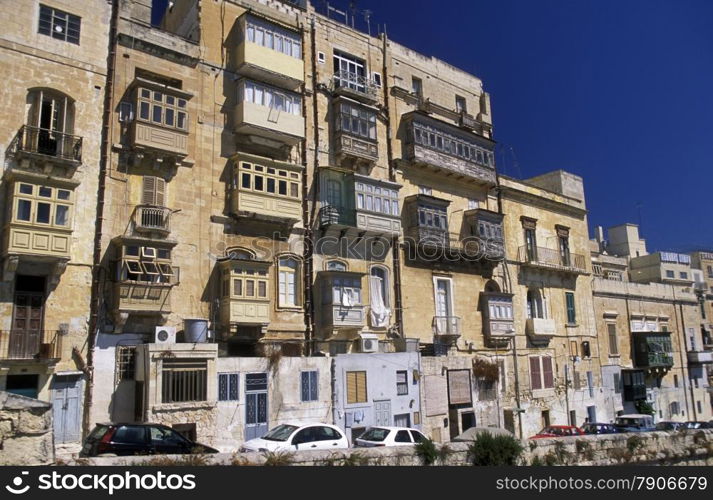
[395, 249]
[307, 218]
[684, 346]
[96, 291]
[308, 243]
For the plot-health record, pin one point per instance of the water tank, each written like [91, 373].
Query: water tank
[195, 330]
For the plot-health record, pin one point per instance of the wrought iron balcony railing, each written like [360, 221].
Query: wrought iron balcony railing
[547, 257]
[40, 141]
[446, 326]
[30, 344]
[152, 218]
[359, 84]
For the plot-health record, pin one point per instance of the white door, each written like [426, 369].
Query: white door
[382, 413]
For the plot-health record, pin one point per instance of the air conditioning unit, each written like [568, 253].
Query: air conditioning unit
[368, 343]
[165, 335]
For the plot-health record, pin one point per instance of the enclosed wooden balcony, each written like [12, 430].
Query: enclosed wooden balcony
[144, 297]
[269, 123]
[498, 317]
[144, 135]
[447, 150]
[652, 350]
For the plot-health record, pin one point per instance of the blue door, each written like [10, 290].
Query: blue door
[66, 407]
[255, 405]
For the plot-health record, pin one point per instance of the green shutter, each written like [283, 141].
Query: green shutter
[571, 313]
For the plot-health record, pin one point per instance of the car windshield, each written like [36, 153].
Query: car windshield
[375, 434]
[280, 433]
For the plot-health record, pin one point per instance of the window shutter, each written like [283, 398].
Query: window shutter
[547, 372]
[149, 190]
[535, 377]
[313, 393]
[351, 387]
[305, 385]
[571, 313]
[613, 346]
[361, 386]
[154, 191]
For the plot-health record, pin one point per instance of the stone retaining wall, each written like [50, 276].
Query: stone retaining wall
[26, 436]
[692, 447]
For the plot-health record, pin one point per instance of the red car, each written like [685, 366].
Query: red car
[553, 431]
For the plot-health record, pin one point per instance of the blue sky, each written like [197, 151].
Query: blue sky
[619, 92]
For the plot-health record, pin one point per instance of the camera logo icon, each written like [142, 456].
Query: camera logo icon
[16, 487]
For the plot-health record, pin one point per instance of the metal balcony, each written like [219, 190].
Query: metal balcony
[548, 258]
[30, 345]
[152, 219]
[48, 143]
[354, 85]
[447, 327]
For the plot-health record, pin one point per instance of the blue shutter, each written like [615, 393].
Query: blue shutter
[313, 385]
[305, 385]
[222, 387]
[233, 390]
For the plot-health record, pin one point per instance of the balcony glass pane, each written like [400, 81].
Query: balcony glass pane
[43, 213]
[61, 215]
[24, 210]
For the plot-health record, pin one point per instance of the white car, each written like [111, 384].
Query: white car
[389, 436]
[297, 436]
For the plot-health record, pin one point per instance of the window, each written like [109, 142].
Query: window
[321, 57]
[461, 105]
[160, 108]
[309, 386]
[436, 139]
[683, 275]
[376, 78]
[125, 362]
[146, 264]
[500, 307]
[473, 204]
[153, 191]
[402, 437]
[613, 345]
[486, 389]
[670, 274]
[349, 71]
[675, 381]
[59, 25]
[289, 279]
[42, 205]
[184, 380]
[356, 387]
[535, 304]
[270, 97]
[432, 216]
[571, 310]
[674, 408]
[356, 120]
[269, 180]
[401, 383]
[228, 386]
[617, 383]
[273, 37]
[417, 87]
[613, 275]
[541, 376]
[346, 291]
[530, 243]
[246, 282]
[377, 199]
[336, 265]
[380, 276]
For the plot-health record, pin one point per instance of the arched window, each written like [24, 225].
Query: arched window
[50, 123]
[336, 265]
[535, 304]
[289, 280]
[238, 253]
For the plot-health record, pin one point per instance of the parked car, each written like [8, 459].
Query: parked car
[707, 425]
[635, 422]
[297, 436]
[558, 431]
[599, 428]
[669, 426]
[693, 425]
[138, 439]
[389, 436]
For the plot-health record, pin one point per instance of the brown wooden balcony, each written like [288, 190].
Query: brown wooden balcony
[152, 219]
[23, 345]
[355, 86]
[547, 258]
[49, 144]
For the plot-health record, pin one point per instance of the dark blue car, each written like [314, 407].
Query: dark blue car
[599, 428]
